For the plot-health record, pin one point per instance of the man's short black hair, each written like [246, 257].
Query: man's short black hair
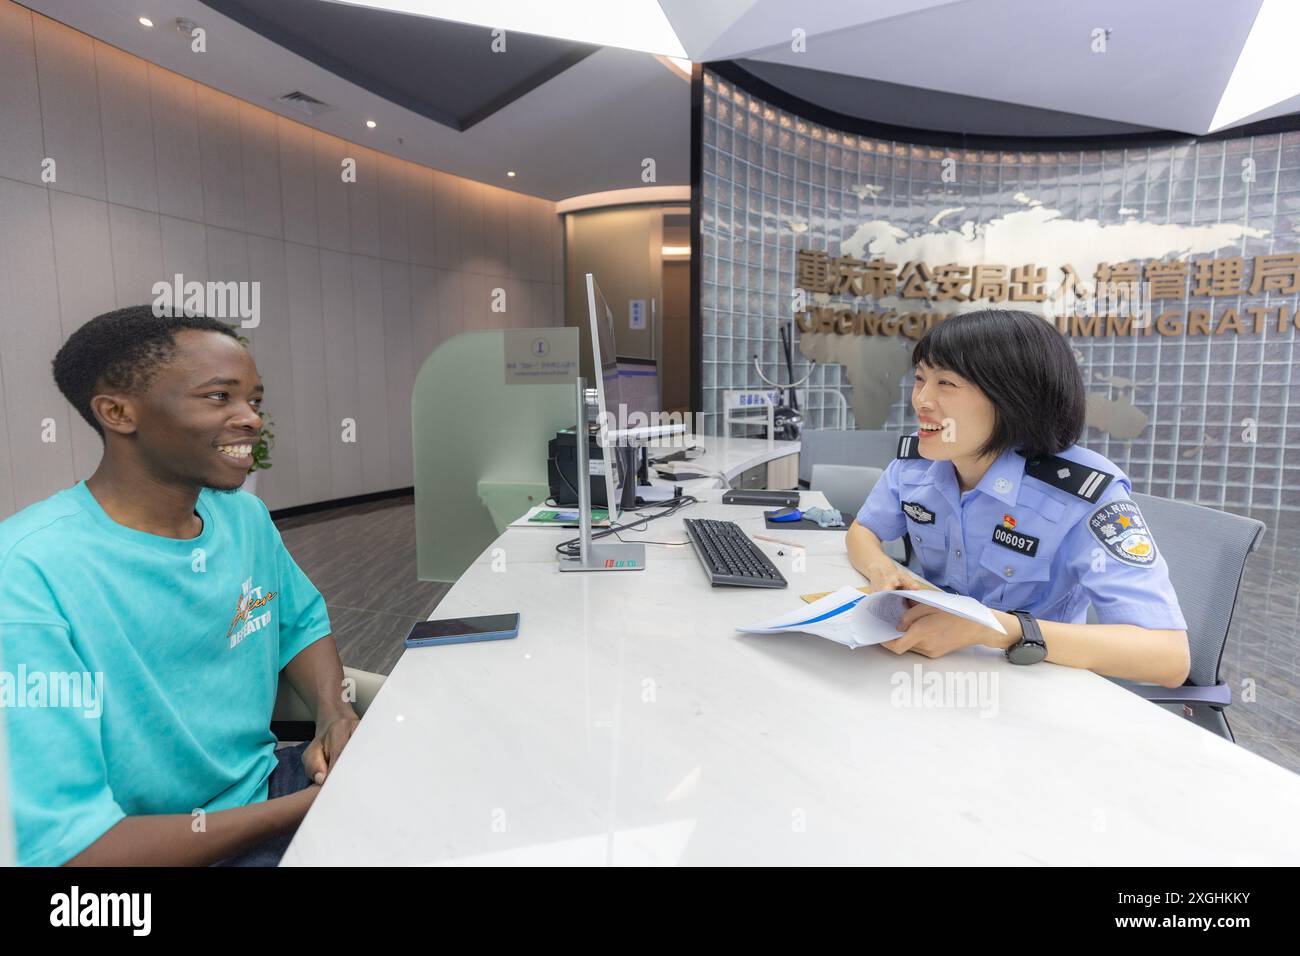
[121, 350]
[1024, 367]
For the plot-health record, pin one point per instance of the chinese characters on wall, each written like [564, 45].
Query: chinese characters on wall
[1127, 298]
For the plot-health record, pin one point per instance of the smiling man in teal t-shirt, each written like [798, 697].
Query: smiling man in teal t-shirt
[147, 612]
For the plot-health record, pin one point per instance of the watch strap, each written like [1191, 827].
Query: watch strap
[1030, 634]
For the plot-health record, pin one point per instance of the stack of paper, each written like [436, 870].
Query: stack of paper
[854, 619]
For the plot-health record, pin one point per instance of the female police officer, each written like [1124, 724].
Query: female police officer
[1001, 505]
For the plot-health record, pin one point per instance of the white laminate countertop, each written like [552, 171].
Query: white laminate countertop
[630, 724]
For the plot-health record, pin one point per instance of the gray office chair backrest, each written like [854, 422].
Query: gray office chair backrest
[859, 446]
[1206, 552]
[845, 486]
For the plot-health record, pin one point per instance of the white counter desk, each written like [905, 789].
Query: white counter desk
[630, 724]
[731, 458]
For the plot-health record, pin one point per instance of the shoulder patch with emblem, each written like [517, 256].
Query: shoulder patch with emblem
[908, 447]
[1120, 528]
[918, 513]
[1080, 480]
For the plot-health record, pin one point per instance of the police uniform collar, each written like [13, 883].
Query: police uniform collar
[1002, 480]
[936, 472]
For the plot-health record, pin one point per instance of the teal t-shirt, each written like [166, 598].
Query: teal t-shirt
[138, 673]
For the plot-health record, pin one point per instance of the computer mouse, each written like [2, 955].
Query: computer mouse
[786, 514]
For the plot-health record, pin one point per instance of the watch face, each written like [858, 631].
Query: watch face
[1026, 653]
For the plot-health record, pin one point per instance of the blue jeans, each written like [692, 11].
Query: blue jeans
[287, 777]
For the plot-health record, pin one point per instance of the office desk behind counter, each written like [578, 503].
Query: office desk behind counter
[630, 724]
[479, 432]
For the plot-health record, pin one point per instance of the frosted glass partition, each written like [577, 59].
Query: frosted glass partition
[480, 445]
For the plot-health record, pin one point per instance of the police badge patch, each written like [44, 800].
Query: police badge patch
[917, 513]
[1120, 528]
[1006, 535]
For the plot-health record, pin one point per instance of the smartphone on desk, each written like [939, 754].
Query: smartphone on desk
[462, 630]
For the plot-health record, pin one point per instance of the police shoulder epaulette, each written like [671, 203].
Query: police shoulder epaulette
[1080, 480]
[907, 447]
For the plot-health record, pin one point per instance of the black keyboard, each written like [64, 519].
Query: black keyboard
[729, 557]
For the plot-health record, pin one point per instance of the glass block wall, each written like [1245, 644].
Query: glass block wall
[774, 183]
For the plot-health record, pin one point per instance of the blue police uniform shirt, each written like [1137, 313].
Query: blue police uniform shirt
[1020, 542]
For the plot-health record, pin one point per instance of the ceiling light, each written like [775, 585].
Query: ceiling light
[370, 123]
[628, 24]
[510, 173]
[1260, 79]
[146, 22]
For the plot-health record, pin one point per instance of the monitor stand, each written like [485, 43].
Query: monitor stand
[627, 456]
[592, 556]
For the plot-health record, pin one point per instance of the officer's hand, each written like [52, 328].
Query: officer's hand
[934, 633]
[890, 577]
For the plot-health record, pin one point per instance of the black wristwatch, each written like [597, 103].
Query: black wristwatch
[1031, 648]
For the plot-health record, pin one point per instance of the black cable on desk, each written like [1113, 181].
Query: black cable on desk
[563, 477]
[572, 548]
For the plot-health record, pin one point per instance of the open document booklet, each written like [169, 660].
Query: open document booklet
[854, 619]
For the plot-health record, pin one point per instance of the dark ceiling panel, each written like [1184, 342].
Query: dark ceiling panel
[910, 106]
[442, 70]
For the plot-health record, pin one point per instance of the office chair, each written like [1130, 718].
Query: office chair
[854, 446]
[846, 487]
[1206, 551]
[291, 720]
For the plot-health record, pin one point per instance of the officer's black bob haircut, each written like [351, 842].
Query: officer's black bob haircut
[1024, 367]
[121, 350]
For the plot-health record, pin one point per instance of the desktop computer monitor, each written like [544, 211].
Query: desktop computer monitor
[613, 406]
[638, 382]
[608, 391]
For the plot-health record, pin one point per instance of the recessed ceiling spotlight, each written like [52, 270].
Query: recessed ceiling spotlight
[146, 22]
[370, 123]
[510, 173]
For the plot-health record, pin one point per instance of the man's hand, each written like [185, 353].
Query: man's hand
[934, 633]
[332, 735]
[317, 675]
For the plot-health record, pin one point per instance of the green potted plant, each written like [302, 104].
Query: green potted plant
[261, 452]
[265, 437]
